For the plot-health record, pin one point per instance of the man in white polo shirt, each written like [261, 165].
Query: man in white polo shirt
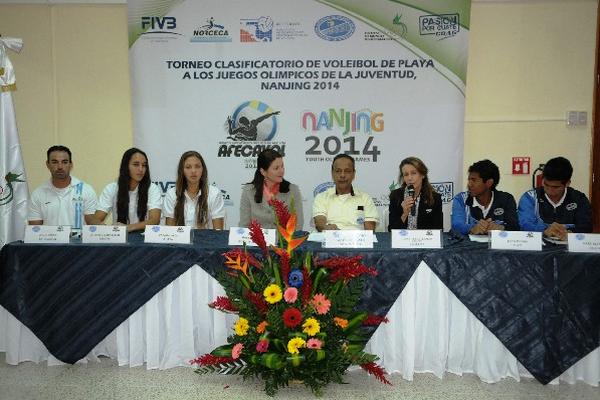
[342, 206]
[64, 199]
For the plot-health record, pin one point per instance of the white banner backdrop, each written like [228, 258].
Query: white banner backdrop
[379, 80]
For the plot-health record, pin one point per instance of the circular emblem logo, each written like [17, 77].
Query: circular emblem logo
[334, 28]
[571, 206]
[580, 236]
[240, 231]
[322, 187]
[93, 229]
[156, 228]
[403, 232]
[253, 121]
[499, 211]
[503, 234]
[35, 229]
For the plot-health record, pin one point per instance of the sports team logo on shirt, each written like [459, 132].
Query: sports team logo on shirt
[571, 206]
[499, 211]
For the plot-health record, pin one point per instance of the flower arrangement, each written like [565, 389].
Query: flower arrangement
[297, 317]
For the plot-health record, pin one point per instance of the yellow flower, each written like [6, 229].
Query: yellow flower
[262, 327]
[311, 327]
[341, 322]
[294, 344]
[272, 293]
[241, 327]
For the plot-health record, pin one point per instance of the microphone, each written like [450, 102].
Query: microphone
[411, 192]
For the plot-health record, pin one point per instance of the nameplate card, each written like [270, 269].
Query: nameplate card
[104, 234]
[515, 240]
[47, 234]
[416, 239]
[584, 242]
[239, 236]
[168, 234]
[351, 239]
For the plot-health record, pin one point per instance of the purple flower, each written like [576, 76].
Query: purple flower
[295, 278]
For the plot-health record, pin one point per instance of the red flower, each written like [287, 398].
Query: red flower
[377, 371]
[292, 317]
[223, 303]
[306, 286]
[209, 359]
[285, 266]
[258, 301]
[346, 268]
[374, 320]
[281, 211]
[257, 236]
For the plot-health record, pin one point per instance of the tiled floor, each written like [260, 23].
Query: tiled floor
[105, 380]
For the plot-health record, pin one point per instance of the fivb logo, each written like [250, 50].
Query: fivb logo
[159, 25]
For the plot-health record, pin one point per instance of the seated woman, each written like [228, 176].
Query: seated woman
[268, 183]
[193, 202]
[415, 205]
[133, 200]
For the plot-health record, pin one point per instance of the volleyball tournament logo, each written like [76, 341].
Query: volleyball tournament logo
[254, 30]
[250, 129]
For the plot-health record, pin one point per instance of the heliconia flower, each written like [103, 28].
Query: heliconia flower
[209, 359]
[311, 327]
[320, 303]
[262, 327]
[236, 351]
[290, 295]
[272, 293]
[314, 343]
[241, 327]
[341, 322]
[243, 255]
[222, 303]
[374, 320]
[292, 317]
[377, 371]
[262, 346]
[296, 278]
[294, 344]
[281, 211]
[258, 301]
[257, 235]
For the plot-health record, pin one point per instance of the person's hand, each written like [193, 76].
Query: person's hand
[556, 230]
[495, 227]
[330, 227]
[481, 227]
[407, 206]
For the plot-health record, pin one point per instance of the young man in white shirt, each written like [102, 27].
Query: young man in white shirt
[64, 199]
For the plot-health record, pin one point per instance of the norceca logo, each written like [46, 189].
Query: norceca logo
[334, 28]
[211, 32]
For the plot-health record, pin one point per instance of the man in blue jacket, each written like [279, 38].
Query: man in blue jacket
[483, 208]
[555, 208]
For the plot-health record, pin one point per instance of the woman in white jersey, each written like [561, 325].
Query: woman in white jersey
[133, 200]
[193, 202]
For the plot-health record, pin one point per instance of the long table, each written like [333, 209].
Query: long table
[539, 309]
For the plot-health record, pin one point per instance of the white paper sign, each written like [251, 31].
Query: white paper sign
[516, 240]
[354, 239]
[238, 236]
[104, 234]
[584, 242]
[47, 234]
[416, 239]
[167, 234]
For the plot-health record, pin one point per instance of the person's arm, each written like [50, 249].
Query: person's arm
[153, 219]
[105, 204]
[322, 225]
[371, 213]
[216, 208]
[459, 216]
[90, 204]
[168, 207]
[245, 206]
[297, 196]
[583, 216]
[509, 218]
[34, 216]
[528, 220]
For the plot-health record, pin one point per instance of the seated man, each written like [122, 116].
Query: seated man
[64, 199]
[343, 207]
[483, 208]
[555, 208]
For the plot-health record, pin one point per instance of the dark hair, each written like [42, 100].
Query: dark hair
[486, 170]
[123, 186]
[264, 160]
[182, 184]
[558, 169]
[58, 147]
[343, 156]
[426, 188]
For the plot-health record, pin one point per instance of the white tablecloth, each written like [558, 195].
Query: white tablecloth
[430, 330]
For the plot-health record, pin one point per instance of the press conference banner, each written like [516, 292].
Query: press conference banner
[380, 80]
